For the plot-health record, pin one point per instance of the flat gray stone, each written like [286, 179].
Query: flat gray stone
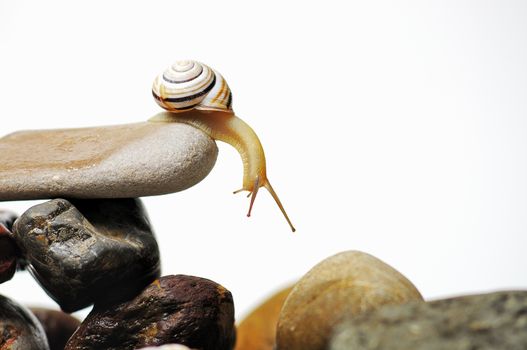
[484, 322]
[120, 161]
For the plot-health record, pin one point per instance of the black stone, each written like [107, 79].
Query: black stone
[19, 329]
[86, 251]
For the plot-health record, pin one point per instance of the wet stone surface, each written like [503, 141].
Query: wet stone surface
[58, 326]
[86, 251]
[257, 331]
[187, 310]
[483, 322]
[19, 329]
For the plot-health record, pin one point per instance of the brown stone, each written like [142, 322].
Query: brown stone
[257, 331]
[119, 161]
[187, 310]
[339, 287]
[59, 326]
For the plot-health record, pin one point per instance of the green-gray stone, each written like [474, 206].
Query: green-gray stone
[483, 322]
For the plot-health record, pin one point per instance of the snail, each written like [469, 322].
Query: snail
[195, 94]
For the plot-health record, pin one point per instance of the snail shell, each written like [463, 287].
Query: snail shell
[190, 84]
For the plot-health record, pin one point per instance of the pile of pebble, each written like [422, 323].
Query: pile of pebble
[85, 250]
[97, 247]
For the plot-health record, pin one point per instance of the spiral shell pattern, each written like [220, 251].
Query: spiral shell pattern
[190, 84]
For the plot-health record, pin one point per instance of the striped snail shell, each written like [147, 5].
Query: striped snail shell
[190, 84]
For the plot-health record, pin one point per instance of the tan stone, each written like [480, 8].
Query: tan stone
[130, 160]
[257, 331]
[339, 287]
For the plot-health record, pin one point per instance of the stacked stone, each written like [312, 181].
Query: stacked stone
[92, 243]
[97, 247]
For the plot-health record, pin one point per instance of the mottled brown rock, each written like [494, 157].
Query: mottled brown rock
[8, 248]
[59, 326]
[19, 329]
[187, 310]
[341, 286]
[119, 161]
[85, 251]
[257, 331]
[483, 322]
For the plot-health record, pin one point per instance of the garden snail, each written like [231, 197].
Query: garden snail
[195, 94]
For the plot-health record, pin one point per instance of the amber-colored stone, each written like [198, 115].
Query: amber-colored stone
[257, 331]
[339, 287]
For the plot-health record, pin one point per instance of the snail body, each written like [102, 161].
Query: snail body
[194, 94]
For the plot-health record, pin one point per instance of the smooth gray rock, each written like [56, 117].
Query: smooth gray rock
[483, 322]
[120, 161]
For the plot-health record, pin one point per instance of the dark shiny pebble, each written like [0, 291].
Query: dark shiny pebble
[19, 329]
[8, 249]
[87, 251]
[187, 310]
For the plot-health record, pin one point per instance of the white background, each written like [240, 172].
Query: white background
[395, 128]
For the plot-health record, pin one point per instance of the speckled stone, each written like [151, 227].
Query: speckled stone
[483, 322]
[121, 161]
[19, 328]
[341, 286]
[188, 310]
[257, 331]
